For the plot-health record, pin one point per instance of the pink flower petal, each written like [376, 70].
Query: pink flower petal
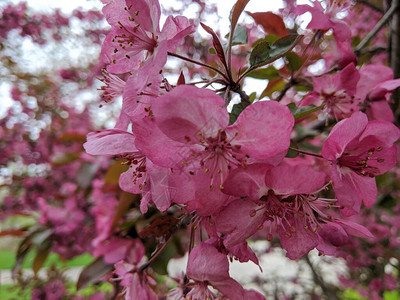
[342, 134]
[249, 182]
[263, 129]
[185, 111]
[110, 142]
[288, 180]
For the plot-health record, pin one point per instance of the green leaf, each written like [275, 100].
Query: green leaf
[260, 54]
[264, 53]
[252, 96]
[159, 265]
[239, 37]
[301, 112]
[270, 38]
[264, 73]
[292, 153]
[294, 61]
[236, 110]
[391, 295]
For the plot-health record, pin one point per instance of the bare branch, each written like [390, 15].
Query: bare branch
[378, 26]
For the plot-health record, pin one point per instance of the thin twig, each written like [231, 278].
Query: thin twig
[191, 242]
[198, 63]
[287, 86]
[314, 40]
[328, 292]
[378, 26]
[145, 265]
[243, 96]
[306, 152]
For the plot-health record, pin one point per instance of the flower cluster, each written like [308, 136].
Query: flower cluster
[232, 176]
[196, 165]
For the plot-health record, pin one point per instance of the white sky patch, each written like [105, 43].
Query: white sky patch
[6, 101]
[65, 6]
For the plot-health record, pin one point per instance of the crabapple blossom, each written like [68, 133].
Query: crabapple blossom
[358, 151]
[280, 199]
[336, 92]
[141, 172]
[196, 124]
[375, 85]
[325, 19]
[194, 164]
[206, 266]
[135, 34]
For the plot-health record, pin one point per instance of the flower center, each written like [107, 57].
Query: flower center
[362, 163]
[339, 103]
[132, 41]
[138, 162]
[216, 156]
[114, 86]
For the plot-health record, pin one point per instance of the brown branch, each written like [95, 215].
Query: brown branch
[390, 13]
[306, 152]
[394, 55]
[198, 63]
[329, 292]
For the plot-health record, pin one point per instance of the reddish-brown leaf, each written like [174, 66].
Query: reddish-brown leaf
[160, 227]
[181, 79]
[125, 201]
[235, 13]
[216, 43]
[40, 257]
[13, 232]
[272, 23]
[273, 86]
[93, 272]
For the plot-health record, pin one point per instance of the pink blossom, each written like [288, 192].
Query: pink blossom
[113, 88]
[359, 150]
[325, 19]
[199, 141]
[337, 92]
[280, 200]
[135, 34]
[206, 266]
[135, 280]
[266, 187]
[141, 173]
[375, 86]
